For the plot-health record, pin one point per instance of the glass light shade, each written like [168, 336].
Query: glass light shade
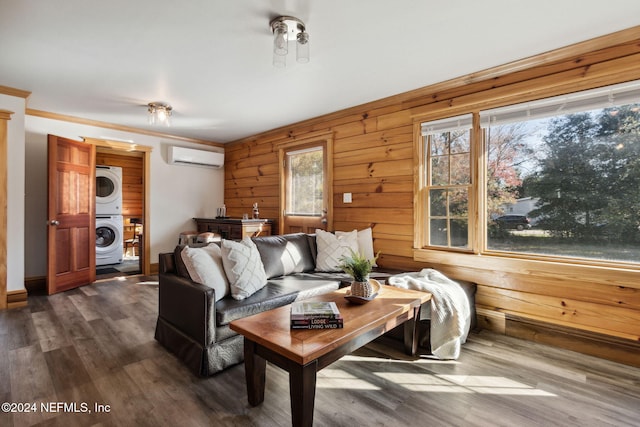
[159, 115]
[302, 47]
[279, 61]
[280, 40]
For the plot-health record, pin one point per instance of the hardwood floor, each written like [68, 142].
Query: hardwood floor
[94, 345]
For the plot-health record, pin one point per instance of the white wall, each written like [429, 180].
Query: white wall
[178, 193]
[15, 191]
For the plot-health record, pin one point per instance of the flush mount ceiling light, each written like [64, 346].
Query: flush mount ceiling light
[159, 114]
[287, 28]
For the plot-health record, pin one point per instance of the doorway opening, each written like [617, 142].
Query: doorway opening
[132, 223]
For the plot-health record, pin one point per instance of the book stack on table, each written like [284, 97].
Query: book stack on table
[315, 315]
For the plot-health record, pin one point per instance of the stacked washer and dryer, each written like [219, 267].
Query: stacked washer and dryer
[109, 222]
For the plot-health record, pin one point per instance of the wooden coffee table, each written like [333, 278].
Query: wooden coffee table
[302, 353]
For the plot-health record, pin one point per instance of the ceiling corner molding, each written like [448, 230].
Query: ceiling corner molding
[6, 90]
[105, 125]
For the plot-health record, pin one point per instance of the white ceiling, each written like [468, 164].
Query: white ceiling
[211, 59]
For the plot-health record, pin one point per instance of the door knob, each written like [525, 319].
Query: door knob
[323, 218]
[55, 222]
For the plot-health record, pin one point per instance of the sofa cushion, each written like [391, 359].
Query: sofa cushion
[332, 248]
[365, 243]
[204, 266]
[276, 293]
[180, 268]
[313, 247]
[243, 267]
[285, 254]
[381, 275]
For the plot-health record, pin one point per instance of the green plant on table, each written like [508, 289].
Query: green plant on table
[357, 265]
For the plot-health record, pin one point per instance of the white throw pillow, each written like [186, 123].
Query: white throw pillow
[205, 267]
[365, 244]
[332, 248]
[244, 267]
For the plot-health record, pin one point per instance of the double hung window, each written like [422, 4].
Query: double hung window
[447, 181]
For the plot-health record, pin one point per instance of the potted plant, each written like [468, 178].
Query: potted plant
[358, 267]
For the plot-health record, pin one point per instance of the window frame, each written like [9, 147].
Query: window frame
[423, 187]
[320, 139]
[289, 195]
[423, 252]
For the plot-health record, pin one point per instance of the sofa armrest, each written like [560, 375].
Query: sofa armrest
[188, 306]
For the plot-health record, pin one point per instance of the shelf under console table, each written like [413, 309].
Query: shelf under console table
[234, 228]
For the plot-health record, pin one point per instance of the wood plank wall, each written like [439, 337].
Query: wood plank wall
[132, 181]
[374, 160]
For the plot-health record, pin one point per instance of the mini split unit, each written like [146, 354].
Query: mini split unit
[195, 157]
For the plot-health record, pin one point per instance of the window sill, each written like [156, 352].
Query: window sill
[614, 274]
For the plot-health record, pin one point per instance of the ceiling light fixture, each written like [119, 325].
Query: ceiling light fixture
[287, 28]
[159, 114]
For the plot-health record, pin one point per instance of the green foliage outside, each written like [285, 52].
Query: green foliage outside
[306, 183]
[589, 182]
[584, 169]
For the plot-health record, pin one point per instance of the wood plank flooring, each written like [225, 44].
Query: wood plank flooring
[94, 345]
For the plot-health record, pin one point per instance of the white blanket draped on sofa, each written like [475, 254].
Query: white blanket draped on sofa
[450, 312]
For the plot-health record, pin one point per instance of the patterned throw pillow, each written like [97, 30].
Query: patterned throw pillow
[332, 248]
[204, 266]
[243, 267]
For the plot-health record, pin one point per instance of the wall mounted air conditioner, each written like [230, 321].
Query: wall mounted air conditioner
[195, 157]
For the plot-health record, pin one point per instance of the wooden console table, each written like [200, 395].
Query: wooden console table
[234, 228]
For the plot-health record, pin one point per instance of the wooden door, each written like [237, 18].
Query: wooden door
[306, 186]
[71, 254]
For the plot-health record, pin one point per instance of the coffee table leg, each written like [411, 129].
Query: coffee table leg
[302, 389]
[254, 371]
[411, 333]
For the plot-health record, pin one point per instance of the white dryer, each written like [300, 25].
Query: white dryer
[108, 190]
[109, 241]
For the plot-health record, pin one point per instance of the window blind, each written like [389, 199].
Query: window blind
[610, 96]
[450, 124]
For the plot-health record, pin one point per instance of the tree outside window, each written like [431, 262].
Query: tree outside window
[447, 148]
[581, 169]
[305, 174]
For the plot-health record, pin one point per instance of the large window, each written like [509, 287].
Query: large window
[563, 175]
[447, 181]
[559, 177]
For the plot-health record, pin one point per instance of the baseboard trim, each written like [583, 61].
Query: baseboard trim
[17, 298]
[154, 268]
[35, 284]
[586, 342]
[38, 284]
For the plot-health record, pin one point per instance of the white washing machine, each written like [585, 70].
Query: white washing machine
[109, 243]
[108, 190]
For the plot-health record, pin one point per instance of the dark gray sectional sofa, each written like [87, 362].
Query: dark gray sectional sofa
[196, 328]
